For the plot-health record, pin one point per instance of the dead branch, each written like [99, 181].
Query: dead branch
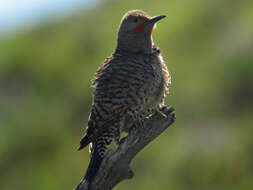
[116, 165]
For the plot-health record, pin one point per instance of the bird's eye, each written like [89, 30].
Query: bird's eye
[135, 20]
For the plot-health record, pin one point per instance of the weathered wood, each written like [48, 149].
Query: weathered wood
[116, 165]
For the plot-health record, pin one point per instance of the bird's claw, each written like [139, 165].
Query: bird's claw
[166, 110]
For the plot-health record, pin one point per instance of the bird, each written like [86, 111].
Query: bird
[129, 86]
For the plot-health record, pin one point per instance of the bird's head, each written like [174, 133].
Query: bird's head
[135, 31]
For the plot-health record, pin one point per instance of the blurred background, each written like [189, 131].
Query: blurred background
[49, 51]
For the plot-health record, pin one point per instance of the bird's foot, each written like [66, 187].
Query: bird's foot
[167, 112]
[122, 140]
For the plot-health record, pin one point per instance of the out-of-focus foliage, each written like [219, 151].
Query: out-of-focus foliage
[45, 97]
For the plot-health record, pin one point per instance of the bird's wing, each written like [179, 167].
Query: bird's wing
[118, 87]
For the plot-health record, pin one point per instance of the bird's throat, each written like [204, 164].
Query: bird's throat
[135, 42]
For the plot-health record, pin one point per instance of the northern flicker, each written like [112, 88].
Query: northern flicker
[131, 83]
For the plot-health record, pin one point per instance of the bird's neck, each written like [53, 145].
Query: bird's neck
[143, 45]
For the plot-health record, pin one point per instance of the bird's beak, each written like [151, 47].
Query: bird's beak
[155, 19]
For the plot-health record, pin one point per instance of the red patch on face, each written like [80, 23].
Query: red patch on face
[139, 28]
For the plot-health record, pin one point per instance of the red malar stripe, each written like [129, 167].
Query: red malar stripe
[139, 28]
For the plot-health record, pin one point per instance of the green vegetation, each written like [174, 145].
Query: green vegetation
[45, 97]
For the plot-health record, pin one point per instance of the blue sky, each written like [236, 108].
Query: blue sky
[16, 14]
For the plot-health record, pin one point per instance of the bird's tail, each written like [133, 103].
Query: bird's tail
[84, 142]
[93, 167]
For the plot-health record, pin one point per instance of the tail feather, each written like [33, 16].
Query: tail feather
[84, 142]
[94, 165]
